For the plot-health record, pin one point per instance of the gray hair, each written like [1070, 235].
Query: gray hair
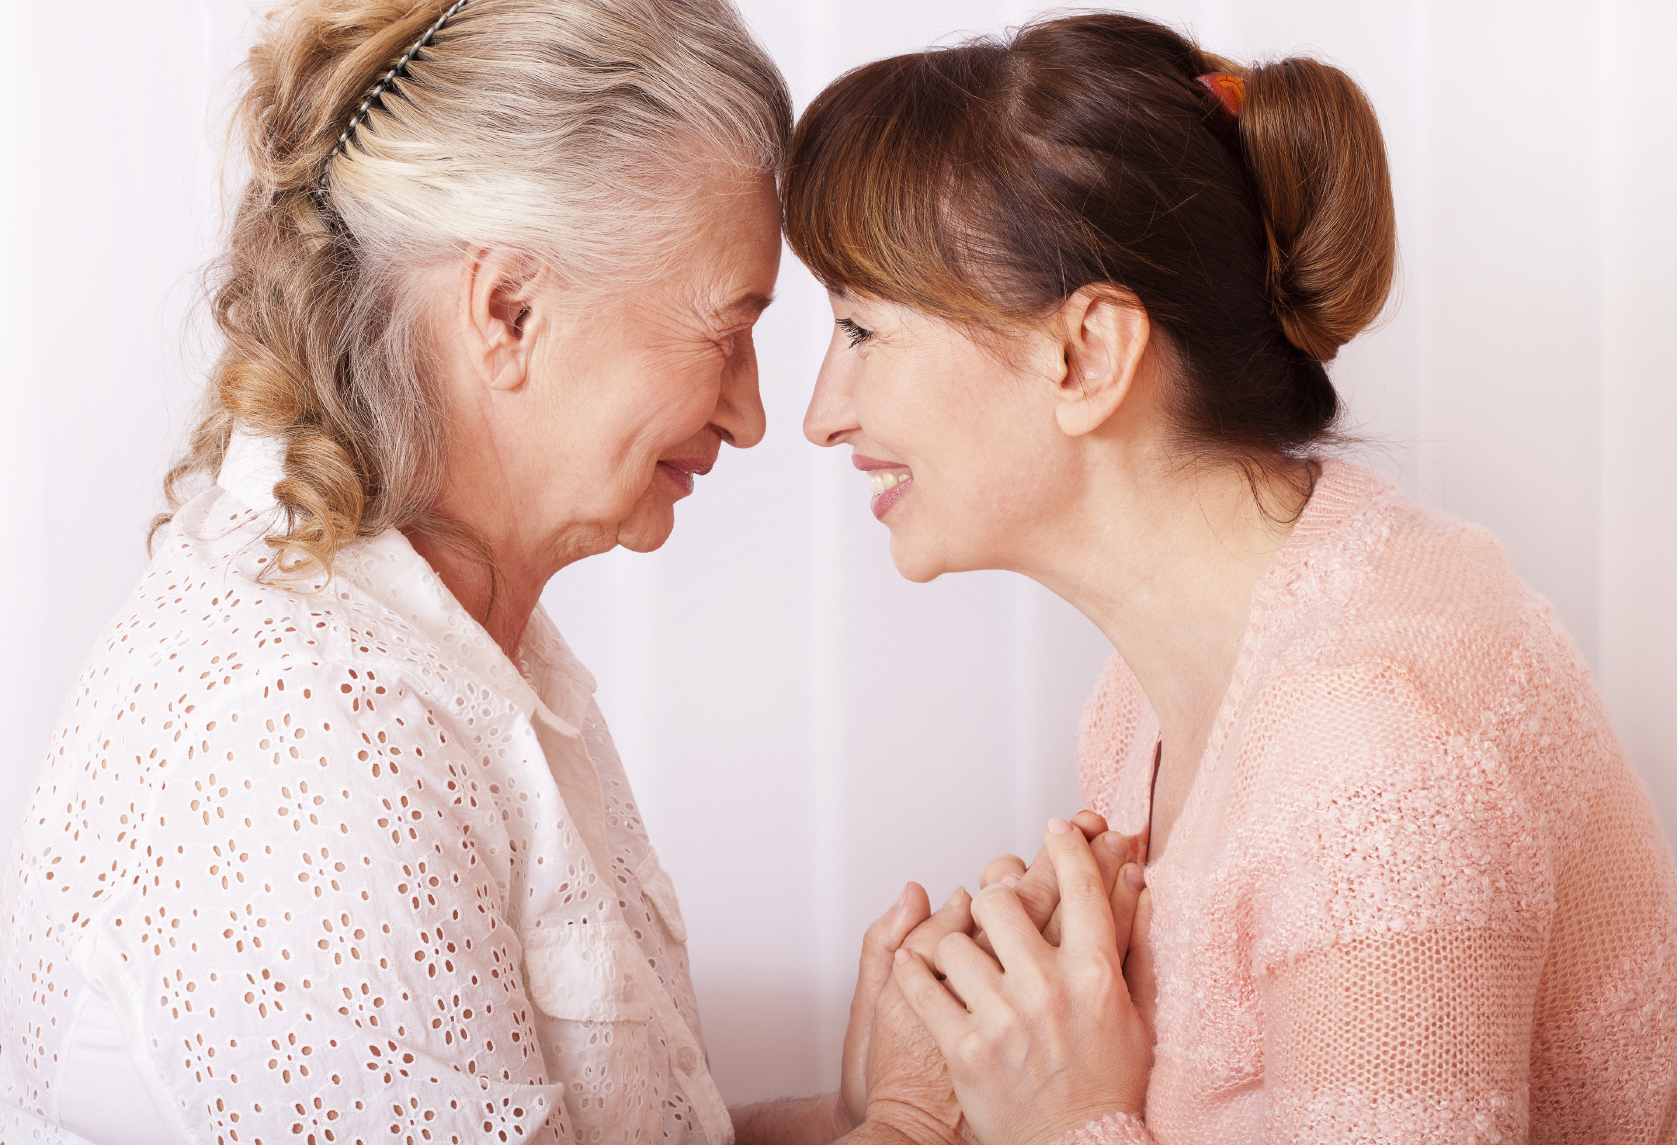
[573, 129]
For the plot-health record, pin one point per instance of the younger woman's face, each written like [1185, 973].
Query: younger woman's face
[965, 461]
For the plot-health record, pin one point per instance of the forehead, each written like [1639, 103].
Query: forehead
[726, 266]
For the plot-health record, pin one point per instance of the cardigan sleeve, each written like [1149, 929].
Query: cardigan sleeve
[1113, 1129]
[1403, 1038]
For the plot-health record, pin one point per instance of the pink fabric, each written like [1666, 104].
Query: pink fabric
[1113, 1129]
[1417, 892]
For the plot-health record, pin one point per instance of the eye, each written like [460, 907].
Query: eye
[855, 333]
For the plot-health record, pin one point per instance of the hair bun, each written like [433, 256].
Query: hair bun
[1312, 143]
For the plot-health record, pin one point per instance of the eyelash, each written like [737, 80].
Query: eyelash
[855, 333]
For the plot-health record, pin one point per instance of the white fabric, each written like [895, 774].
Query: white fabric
[341, 869]
[105, 1085]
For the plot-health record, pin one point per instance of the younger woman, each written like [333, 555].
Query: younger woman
[1404, 884]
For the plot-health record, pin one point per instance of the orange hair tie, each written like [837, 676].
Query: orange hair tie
[1230, 90]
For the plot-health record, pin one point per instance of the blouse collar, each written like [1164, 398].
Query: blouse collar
[558, 689]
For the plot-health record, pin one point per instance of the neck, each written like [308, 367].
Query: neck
[1163, 559]
[496, 568]
[492, 585]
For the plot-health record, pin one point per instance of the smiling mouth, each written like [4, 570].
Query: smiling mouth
[681, 470]
[888, 481]
[881, 480]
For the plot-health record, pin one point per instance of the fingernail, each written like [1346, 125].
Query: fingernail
[1114, 841]
[901, 956]
[1135, 877]
[956, 896]
[1059, 827]
[1009, 881]
[902, 899]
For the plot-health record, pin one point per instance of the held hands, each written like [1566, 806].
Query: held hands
[1037, 887]
[1049, 1039]
[894, 1074]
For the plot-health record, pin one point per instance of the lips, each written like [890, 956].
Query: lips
[682, 470]
[889, 481]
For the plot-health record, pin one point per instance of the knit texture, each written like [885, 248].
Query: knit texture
[1417, 892]
[1113, 1129]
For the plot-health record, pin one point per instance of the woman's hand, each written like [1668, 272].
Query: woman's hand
[908, 1084]
[1040, 895]
[891, 1069]
[1049, 1040]
[879, 944]
[1036, 886]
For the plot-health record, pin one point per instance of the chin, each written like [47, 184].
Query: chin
[914, 564]
[647, 530]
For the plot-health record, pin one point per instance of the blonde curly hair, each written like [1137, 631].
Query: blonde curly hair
[571, 129]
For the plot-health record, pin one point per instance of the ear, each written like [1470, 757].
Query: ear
[499, 319]
[1105, 331]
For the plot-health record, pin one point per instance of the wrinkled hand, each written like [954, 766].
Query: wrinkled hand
[1050, 1039]
[873, 974]
[908, 1083]
[891, 1067]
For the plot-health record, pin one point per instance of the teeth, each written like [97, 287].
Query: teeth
[882, 479]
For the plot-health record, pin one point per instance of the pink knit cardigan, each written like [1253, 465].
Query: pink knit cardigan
[1417, 892]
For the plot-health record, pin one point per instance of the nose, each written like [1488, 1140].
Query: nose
[739, 417]
[831, 416]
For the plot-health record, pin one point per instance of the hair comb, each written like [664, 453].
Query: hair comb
[389, 77]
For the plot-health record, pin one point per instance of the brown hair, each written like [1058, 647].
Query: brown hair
[571, 129]
[986, 182]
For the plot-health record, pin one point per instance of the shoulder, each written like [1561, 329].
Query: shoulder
[213, 618]
[225, 718]
[1417, 596]
[214, 666]
[1420, 734]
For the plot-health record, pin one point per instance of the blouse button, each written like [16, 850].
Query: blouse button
[687, 1059]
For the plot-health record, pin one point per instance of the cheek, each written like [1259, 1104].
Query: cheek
[982, 472]
[659, 400]
[956, 442]
[683, 386]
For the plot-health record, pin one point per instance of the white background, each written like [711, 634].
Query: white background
[806, 730]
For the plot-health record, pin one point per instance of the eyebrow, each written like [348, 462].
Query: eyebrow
[749, 304]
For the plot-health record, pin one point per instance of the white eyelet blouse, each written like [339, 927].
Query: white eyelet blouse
[317, 863]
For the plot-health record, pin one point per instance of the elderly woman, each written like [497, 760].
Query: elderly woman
[333, 844]
[1403, 884]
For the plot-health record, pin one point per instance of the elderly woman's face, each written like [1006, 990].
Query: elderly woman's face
[629, 401]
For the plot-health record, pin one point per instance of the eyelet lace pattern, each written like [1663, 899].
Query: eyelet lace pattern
[360, 877]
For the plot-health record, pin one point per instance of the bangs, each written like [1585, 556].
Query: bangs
[873, 188]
